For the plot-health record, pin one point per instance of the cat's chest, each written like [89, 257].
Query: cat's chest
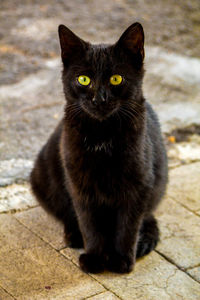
[105, 147]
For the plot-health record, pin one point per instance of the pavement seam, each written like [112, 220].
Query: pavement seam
[192, 277]
[105, 287]
[185, 163]
[181, 164]
[7, 292]
[36, 235]
[174, 167]
[184, 206]
[16, 181]
[41, 238]
[99, 282]
[90, 297]
[190, 268]
[13, 211]
[96, 295]
[177, 266]
[91, 276]
[60, 253]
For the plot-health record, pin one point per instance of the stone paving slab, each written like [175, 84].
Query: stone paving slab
[16, 197]
[30, 269]
[44, 225]
[130, 290]
[184, 186]
[152, 278]
[180, 234]
[40, 272]
[180, 237]
[195, 272]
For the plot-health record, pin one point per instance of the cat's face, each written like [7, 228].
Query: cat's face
[101, 80]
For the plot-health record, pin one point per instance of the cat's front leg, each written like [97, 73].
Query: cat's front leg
[93, 260]
[123, 256]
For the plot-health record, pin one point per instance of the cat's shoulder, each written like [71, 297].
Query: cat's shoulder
[152, 117]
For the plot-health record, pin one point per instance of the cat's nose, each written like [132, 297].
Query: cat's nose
[100, 99]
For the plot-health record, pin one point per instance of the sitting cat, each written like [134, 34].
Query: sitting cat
[104, 169]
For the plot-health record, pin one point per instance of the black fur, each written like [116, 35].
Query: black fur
[104, 169]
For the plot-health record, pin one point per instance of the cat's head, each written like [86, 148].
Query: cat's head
[103, 80]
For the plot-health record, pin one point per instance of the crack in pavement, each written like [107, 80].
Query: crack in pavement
[176, 265]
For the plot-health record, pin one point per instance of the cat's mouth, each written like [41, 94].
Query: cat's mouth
[101, 113]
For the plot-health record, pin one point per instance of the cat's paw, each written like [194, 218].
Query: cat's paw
[119, 264]
[91, 263]
[145, 246]
[148, 237]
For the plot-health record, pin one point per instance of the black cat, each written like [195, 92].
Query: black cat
[104, 169]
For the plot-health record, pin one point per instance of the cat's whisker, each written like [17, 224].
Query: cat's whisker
[130, 116]
[135, 110]
[73, 111]
[128, 113]
[74, 115]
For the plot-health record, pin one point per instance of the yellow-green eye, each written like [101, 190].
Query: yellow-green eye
[84, 80]
[116, 79]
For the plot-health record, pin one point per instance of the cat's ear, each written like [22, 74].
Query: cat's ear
[133, 40]
[71, 45]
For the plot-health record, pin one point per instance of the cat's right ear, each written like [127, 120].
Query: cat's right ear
[133, 40]
[70, 44]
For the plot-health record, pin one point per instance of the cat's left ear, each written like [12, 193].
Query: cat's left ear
[133, 40]
[71, 45]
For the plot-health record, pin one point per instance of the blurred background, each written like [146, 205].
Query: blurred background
[31, 97]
